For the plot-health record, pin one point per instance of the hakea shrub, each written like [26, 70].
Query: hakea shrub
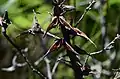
[58, 20]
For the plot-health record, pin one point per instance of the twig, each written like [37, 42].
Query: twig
[59, 58]
[23, 54]
[49, 34]
[117, 73]
[116, 70]
[56, 65]
[48, 68]
[49, 73]
[40, 31]
[108, 47]
[14, 65]
[85, 11]
[36, 28]
[86, 60]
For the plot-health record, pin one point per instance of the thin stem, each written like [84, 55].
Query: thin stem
[55, 67]
[14, 65]
[48, 68]
[85, 11]
[108, 46]
[49, 34]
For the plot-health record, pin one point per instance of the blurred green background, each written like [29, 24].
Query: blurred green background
[101, 24]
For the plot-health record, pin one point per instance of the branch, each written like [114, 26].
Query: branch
[49, 34]
[49, 73]
[117, 73]
[14, 65]
[36, 28]
[85, 11]
[24, 56]
[108, 47]
[58, 60]
[55, 65]
[48, 68]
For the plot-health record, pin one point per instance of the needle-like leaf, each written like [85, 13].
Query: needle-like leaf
[51, 25]
[77, 32]
[64, 22]
[80, 33]
[57, 44]
[68, 47]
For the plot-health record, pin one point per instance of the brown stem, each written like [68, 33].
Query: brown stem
[73, 58]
